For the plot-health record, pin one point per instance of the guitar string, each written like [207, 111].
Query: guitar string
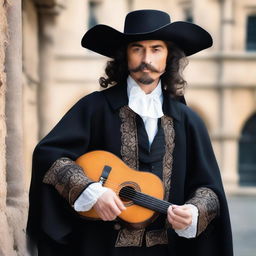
[141, 197]
[151, 205]
[146, 197]
[155, 203]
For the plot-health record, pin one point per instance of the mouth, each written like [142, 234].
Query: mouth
[146, 70]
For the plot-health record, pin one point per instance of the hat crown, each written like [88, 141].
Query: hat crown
[144, 21]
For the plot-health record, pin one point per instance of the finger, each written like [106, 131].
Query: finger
[170, 220]
[181, 220]
[184, 207]
[169, 209]
[108, 215]
[115, 210]
[177, 225]
[184, 219]
[119, 203]
[170, 215]
[102, 215]
[182, 212]
[103, 212]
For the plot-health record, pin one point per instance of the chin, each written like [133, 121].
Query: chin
[145, 79]
[146, 82]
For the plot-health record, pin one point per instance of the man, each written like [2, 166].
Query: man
[142, 120]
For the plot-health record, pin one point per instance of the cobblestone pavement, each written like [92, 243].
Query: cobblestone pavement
[243, 219]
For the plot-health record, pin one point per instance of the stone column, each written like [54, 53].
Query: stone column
[5, 238]
[227, 22]
[228, 142]
[16, 201]
[47, 15]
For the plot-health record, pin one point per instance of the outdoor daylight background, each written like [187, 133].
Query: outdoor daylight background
[44, 71]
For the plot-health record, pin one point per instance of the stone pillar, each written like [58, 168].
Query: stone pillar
[16, 201]
[30, 83]
[47, 15]
[227, 23]
[5, 238]
[228, 142]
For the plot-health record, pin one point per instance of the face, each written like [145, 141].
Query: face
[147, 60]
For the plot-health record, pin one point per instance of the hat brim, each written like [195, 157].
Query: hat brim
[189, 37]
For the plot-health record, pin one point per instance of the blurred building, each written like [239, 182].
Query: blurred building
[57, 71]
[221, 80]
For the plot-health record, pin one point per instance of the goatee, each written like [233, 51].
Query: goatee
[145, 79]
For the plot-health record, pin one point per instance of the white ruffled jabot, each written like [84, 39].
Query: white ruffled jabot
[148, 106]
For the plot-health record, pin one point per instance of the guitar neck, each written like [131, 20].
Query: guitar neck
[145, 200]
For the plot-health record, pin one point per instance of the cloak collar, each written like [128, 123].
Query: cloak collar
[117, 98]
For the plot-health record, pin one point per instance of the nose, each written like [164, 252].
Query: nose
[147, 57]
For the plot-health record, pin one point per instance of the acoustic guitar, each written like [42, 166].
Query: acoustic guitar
[141, 192]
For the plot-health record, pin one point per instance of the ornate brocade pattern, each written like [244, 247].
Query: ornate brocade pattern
[208, 206]
[169, 134]
[68, 178]
[129, 153]
[155, 237]
[127, 237]
[129, 137]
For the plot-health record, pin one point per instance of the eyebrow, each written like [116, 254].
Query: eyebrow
[153, 46]
[157, 46]
[136, 45]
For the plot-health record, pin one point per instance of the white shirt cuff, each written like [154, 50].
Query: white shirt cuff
[190, 231]
[89, 197]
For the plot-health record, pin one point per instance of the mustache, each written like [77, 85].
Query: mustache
[144, 65]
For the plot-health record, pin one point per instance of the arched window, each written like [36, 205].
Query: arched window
[247, 153]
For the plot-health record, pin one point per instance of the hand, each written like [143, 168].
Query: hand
[109, 205]
[180, 217]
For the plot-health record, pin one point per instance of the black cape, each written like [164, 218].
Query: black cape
[93, 123]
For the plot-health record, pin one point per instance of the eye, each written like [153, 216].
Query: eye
[136, 49]
[157, 49]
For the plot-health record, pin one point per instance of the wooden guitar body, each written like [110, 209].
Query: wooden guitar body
[136, 189]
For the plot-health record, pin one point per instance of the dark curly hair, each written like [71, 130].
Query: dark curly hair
[172, 80]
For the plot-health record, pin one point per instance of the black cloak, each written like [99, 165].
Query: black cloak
[93, 123]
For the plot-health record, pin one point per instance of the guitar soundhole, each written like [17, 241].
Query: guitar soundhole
[128, 192]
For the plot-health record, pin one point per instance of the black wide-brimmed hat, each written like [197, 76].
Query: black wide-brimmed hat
[143, 25]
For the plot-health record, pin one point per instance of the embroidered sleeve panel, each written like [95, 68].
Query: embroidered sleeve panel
[68, 178]
[208, 206]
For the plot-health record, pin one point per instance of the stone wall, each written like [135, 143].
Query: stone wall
[13, 203]
[5, 238]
